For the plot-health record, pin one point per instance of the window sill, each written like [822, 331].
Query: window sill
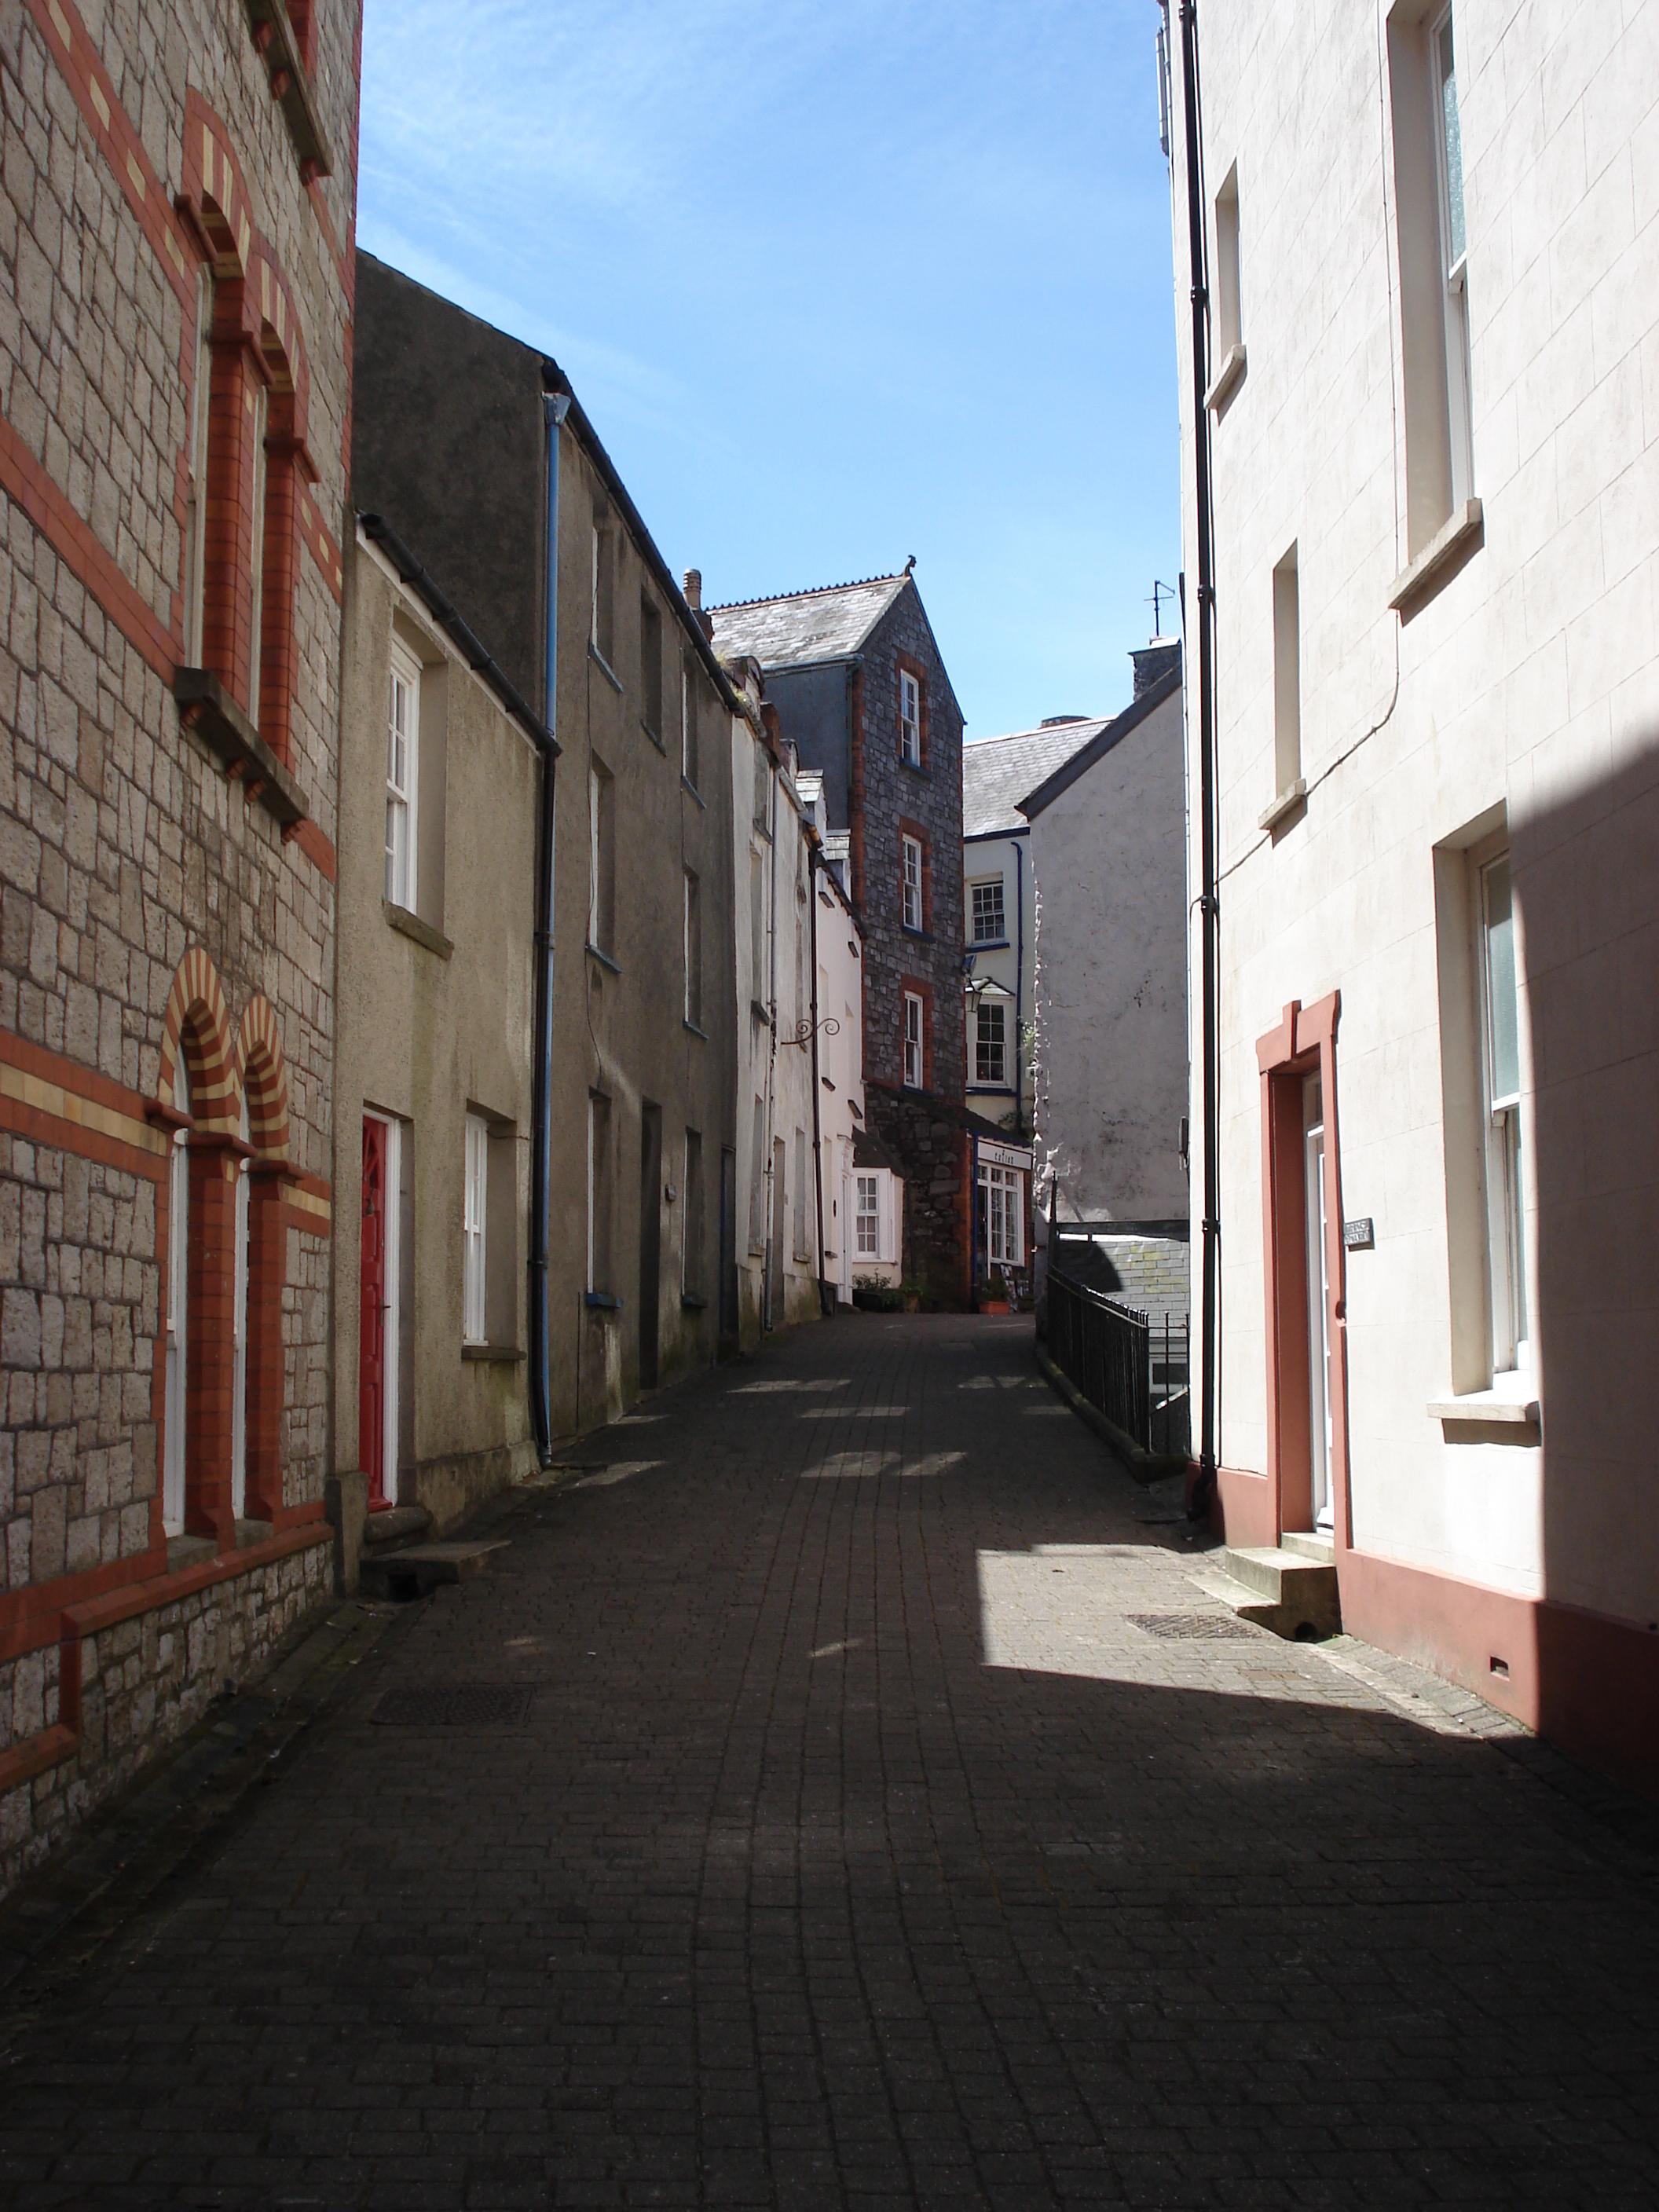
[692, 1029]
[1226, 381]
[1511, 1403]
[921, 936]
[208, 709]
[1459, 536]
[1293, 796]
[654, 739]
[988, 945]
[690, 789]
[290, 86]
[411, 925]
[604, 958]
[604, 668]
[916, 768]
[692, 1303]
[503, 1353]
[827, 1083]
[762, 1013]
[603, 1301]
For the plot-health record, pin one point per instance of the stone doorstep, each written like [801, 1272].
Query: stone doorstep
[412, 1569]
[1290, 1589]
[396, 1524]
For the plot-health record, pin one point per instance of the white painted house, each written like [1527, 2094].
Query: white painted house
[1419, 346]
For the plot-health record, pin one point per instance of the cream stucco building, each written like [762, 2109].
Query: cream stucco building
[1419, 350]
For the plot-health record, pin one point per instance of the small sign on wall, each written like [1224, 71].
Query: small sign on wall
[1360, 1235]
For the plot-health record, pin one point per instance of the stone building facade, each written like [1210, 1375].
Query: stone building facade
[175, 233]
[471, 446]
[861, 691]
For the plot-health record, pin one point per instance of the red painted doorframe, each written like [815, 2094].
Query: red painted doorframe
[1302, 1042]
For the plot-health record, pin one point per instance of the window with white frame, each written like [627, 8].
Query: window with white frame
[1001, 1216]
[989, 926]
[909, 719]
[403, 740]
[1501, 1056]
[693, 950]
[601, 856]
[868, 1218]
[475, 1216]
[688, 722]
[599, 1192]
[912, 1042]
[991, 1041]
[1454, 255]
[912, 882]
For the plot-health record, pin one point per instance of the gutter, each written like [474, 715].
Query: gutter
[1204, 1489]
[541, 1116]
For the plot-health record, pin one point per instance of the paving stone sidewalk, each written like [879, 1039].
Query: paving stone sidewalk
[889, 1822]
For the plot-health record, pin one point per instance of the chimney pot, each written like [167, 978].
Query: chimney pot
[694, 589]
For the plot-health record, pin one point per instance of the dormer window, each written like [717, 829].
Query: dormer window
[909, 719]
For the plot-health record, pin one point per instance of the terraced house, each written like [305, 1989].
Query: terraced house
[175, 375]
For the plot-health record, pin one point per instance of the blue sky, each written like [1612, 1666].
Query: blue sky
[836, 284]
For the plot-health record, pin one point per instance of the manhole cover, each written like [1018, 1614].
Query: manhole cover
[453, 1704]
[1192, 1628]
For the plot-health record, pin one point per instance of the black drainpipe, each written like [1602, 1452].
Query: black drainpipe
[1204, 1490]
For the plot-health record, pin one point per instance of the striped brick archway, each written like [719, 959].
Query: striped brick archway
[196, 1024]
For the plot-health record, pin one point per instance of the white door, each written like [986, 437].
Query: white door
[239, 1369]
[173, 1433]
[1319, 1305]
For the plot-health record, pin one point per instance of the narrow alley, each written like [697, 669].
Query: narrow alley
[858, 1804]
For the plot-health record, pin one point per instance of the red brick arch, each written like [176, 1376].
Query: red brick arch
[196, 1024]
[262, 1078]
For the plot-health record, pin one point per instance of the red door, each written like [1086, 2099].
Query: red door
[371, 1364]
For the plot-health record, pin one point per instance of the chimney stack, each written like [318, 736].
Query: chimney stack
[693, 590]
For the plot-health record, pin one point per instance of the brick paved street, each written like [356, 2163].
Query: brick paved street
[863, 1845]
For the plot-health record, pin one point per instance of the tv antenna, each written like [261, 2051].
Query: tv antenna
[1159, 591]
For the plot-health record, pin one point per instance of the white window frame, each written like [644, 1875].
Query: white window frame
[693, 950]
[909, 719]
[176, 1404]
[688, 723]
[1454, 259]
[1004, 1215]
[910, 878]
[404, 671]
[239, 1337]
[475, 1215]
[1501, 1100]
[983, 1005]
[984, 885]
[867, 1219]
[915, 1060]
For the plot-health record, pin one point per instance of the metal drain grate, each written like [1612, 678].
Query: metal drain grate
[1192, 1627]
[453, 1704]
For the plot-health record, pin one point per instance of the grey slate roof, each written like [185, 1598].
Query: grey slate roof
[805, 626]
[997, 773]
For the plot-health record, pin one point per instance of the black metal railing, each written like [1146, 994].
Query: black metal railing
[1130, 1370]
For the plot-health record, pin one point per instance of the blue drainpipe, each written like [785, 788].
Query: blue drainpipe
[556, 405]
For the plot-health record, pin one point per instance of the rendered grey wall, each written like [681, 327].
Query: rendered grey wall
[1109, 858]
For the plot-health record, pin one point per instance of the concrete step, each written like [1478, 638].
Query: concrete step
[1277, 1587]
[1310, 1544]
[396, 1524]
[412, 1570]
